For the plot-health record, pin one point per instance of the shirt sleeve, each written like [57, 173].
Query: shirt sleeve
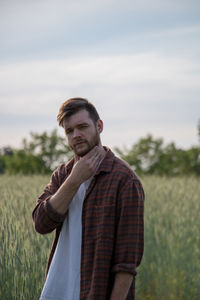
[129, 242]
[45, 218]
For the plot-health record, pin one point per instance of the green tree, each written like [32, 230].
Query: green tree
[194, 159]
[42, 153]
[173, 161]
[4, 153]
[150, 156]
[24, 163]
[50, 148]
[144, 155]
[2, 164]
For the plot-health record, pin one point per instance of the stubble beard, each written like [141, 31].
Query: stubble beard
[88, 145]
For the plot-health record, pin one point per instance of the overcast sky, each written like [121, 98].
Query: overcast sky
[137, 61]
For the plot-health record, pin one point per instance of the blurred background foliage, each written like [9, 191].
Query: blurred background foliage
[42, 153]
[38, 155]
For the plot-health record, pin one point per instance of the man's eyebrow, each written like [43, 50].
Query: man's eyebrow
[84, 123]
[79, 124]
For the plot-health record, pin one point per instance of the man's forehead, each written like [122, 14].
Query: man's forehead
[79, 117]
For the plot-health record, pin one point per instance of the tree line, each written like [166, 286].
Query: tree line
[38, 155]
[42, 153]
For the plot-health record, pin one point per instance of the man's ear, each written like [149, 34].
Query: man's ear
[99, 126]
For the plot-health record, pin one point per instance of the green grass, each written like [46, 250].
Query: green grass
[23, 253]
[171, 264]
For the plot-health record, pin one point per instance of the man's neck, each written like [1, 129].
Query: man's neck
[102, 153]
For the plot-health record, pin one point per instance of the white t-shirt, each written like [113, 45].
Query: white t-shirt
[63, 279]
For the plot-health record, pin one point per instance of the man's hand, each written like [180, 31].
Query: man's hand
[86, 166]
[83, 169]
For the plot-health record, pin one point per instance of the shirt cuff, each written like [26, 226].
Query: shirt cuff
[52, 213]
[123, 267]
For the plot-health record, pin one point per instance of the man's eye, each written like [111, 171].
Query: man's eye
[68, 131]
[83, 126]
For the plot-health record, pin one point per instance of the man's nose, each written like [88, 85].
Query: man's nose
[76, 133]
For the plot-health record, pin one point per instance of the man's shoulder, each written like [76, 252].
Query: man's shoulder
[117, 166]
[122, 167]
[63, 169]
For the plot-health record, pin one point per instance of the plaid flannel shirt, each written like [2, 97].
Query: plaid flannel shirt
[112, 225]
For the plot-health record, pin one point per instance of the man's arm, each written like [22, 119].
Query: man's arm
[82, 170]
[53, 204]
[129, 240]
[121, 286]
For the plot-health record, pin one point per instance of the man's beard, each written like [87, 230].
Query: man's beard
[87, 145]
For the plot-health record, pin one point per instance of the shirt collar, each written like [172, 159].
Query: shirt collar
[107, 163]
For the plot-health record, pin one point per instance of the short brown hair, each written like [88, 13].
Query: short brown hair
[73, 105]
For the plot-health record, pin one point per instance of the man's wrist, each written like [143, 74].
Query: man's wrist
[121, 286]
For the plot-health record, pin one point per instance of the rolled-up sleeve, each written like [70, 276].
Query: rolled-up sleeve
[129, 240]
[45, 218]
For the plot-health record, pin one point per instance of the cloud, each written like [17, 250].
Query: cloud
[122, 71]
[137, 61]
[34, 28]
[146, 88]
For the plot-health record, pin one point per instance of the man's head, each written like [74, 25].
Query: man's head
[73, 105]
[82, 125]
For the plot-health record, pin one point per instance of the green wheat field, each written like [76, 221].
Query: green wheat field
[170, 268]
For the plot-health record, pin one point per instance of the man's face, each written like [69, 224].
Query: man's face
[82, 134]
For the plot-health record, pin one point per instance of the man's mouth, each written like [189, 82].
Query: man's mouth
[79, 143]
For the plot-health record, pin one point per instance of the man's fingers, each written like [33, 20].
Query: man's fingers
[87, 165]
[92, 152]
[93, 160]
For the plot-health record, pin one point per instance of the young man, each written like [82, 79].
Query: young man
[95, 204]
